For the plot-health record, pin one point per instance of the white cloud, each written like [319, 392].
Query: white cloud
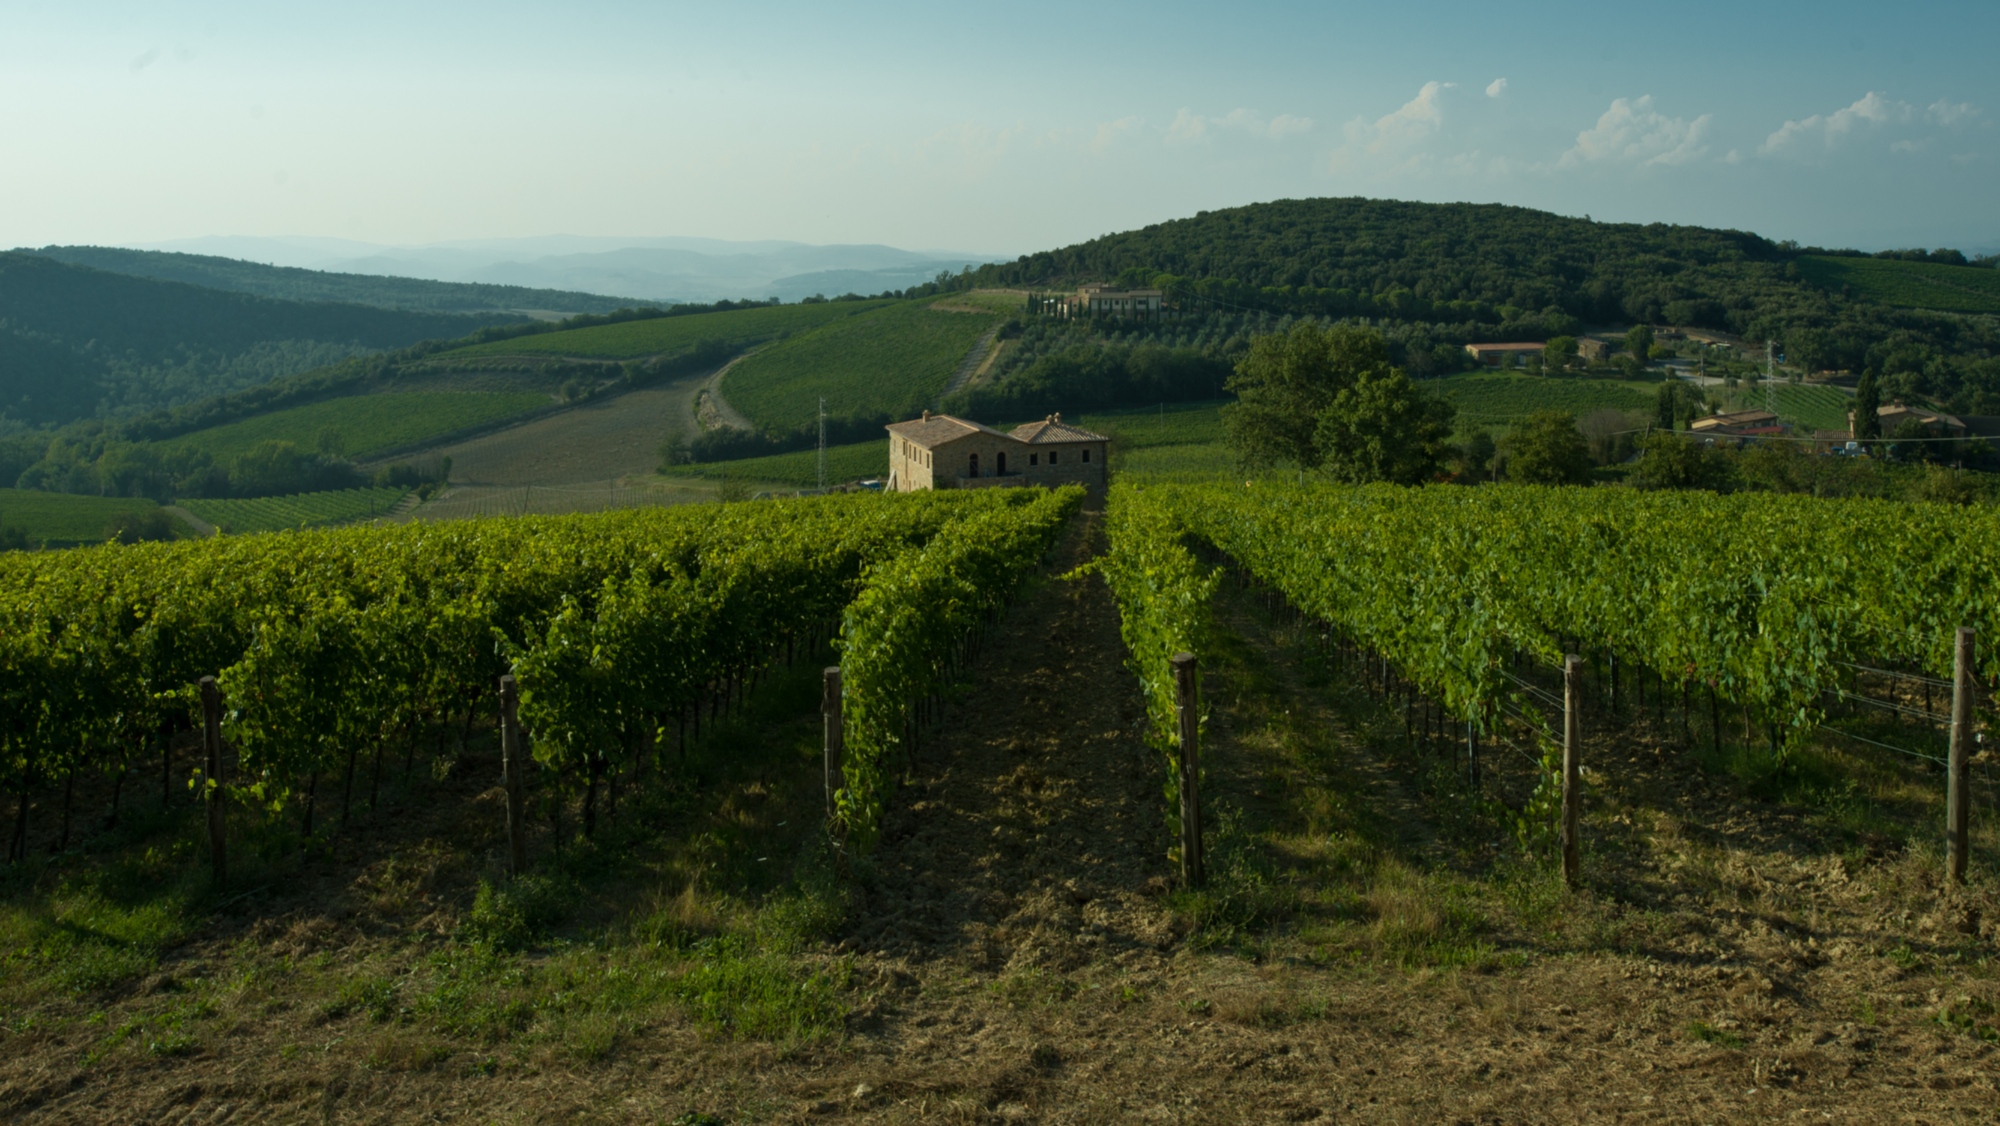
[1949, 113]
[1832, 128]
[1496, 87]
[1109, 133]
[1633, 132]
[1190, 127]
[1414, 122]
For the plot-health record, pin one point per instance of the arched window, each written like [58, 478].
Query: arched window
[1000, 464]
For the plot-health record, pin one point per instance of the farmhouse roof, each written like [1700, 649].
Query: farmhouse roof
[1053, 429]
[1738, 418]
[934, 430]
[1513, 346]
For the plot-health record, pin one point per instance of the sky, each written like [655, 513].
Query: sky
[994, 128]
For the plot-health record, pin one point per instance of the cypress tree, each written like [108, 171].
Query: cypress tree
[1867, 401]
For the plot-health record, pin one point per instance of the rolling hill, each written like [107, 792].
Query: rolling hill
[890, 363]
[290, 283]
[1436, 274]
[77, 342]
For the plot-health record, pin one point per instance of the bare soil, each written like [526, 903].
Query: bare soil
[1373, 949]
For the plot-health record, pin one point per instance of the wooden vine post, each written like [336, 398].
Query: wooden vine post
[211, 745]
[1572, 752]
[1958, 795]
[1189, 718]
[513, 766]
[829, 707]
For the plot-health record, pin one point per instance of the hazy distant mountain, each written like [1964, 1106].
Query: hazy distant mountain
[652, 269]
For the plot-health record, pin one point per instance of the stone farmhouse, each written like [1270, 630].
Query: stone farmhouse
[939, 451]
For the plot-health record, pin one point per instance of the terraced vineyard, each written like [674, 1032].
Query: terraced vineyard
[300, 510]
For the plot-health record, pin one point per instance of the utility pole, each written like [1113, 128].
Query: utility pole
[822, 444]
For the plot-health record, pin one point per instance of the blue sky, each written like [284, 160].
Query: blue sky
[997, 128]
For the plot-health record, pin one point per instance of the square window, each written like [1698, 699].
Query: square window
[1086, 457]
[1034, 459]
[1052, 457]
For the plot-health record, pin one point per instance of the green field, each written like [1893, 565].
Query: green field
[1493, 398]
[854, 462]
[300, 510]
[60, 519]
[1175, 424]
[366, 424]
[667, 335]
[1813, 407]
[1917, 285]
[893, 361]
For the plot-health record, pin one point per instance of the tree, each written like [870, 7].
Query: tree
[1547, 449]
[1285, 382]
[1474, 457]
[1383, 428]
[1867, 408]
[1667, 461]
[1639, 342]
[1559, 352]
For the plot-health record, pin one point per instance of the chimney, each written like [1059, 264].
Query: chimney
[1056, 417]
[927, 416]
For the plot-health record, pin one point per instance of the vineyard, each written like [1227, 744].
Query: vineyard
[1921, 285]
[497, 817]
[300, 510]
[613, 625]
[61, 519]
[364, 424]
[1759, 603]
[891, 362]
[668, 335]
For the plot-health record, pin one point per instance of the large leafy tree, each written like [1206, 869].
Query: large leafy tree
[1546, 448]
[1287, 381]
[1383, 428]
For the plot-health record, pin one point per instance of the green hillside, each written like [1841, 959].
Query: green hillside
[364, 424]
[77, 342]
[632, 339]
[290, 283]
[300, 510]
[63, 519]
[1436, 276]
[1813, 407]
[1920, 285]
[890, 363]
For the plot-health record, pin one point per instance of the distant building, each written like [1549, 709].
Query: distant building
[1936, 424]
[1738, 424]
[939, 451]
[1593, 349]
[1098, 300]
[1499, 355]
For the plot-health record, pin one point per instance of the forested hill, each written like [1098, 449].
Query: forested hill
[1453, 272]
[1458, 261]
[293, 284]
[77, 342]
